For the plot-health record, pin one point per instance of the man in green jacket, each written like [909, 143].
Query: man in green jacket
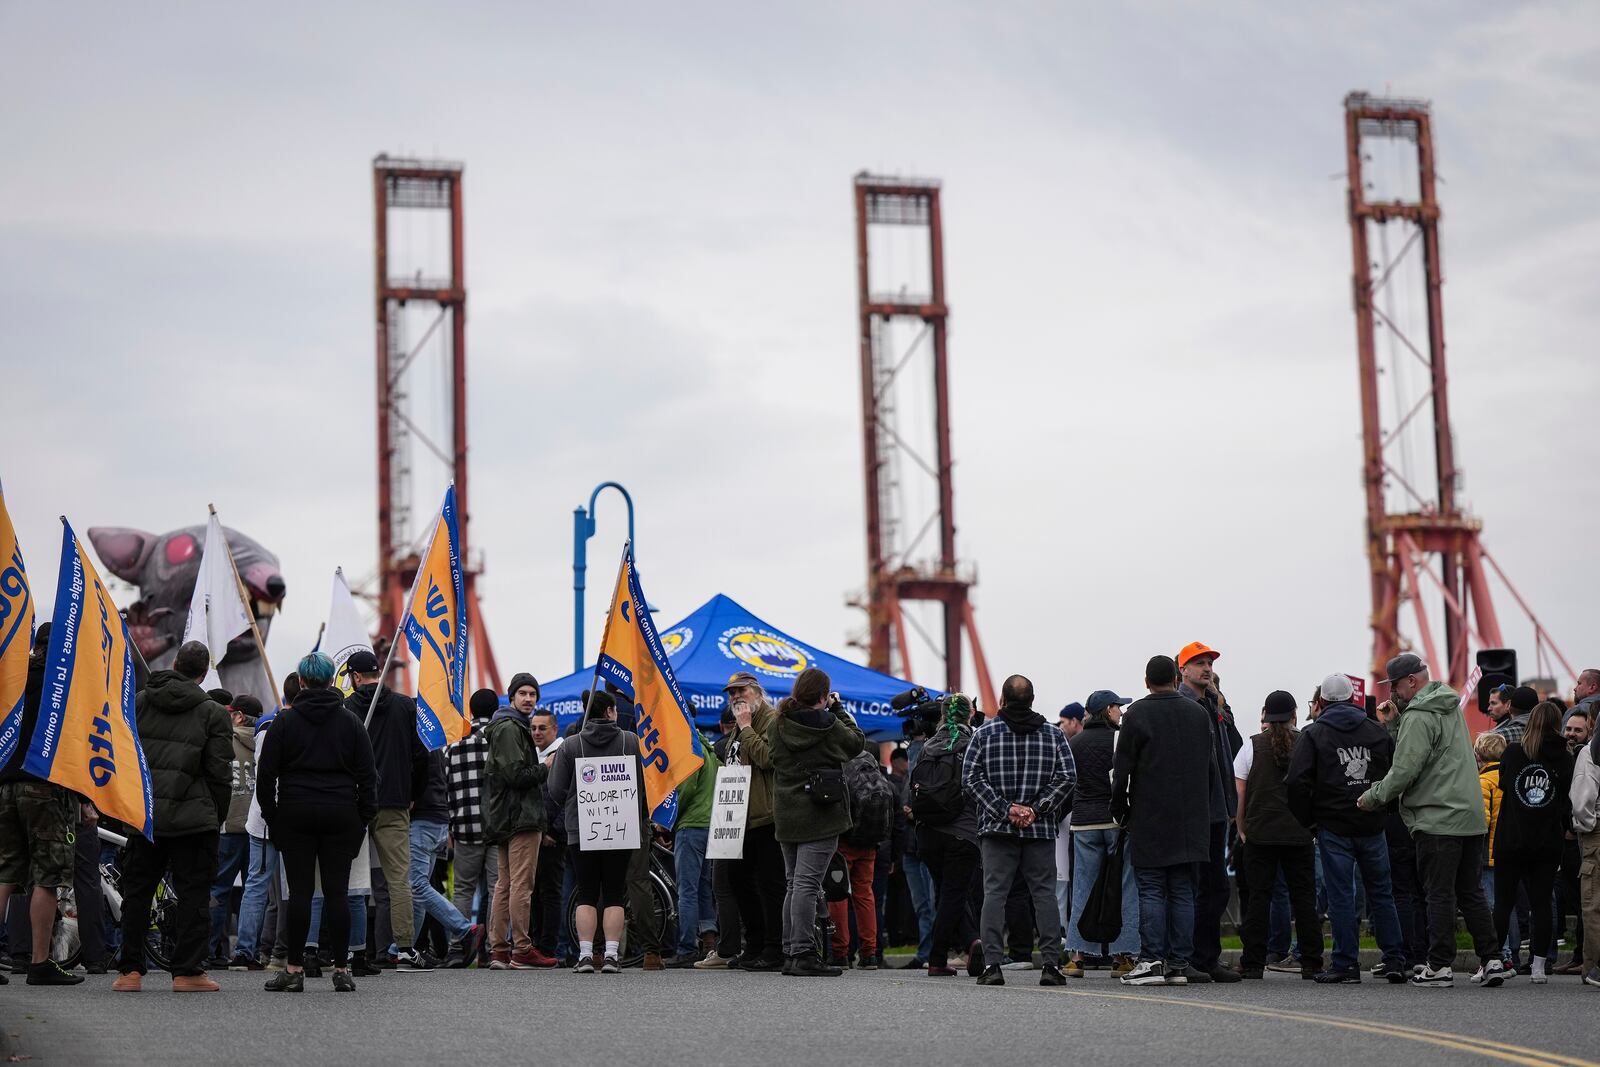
[1435, 779]
[187, 740]
[697, 902]
[514, 822]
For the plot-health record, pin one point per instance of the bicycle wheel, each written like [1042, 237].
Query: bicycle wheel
[160, 942]
[663, 919]
[66, 945]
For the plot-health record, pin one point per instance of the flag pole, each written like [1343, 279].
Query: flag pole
[244, 598]
[627, 550]
[388, 659]
[400, 629]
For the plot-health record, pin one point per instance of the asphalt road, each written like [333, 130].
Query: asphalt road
[883, 1018]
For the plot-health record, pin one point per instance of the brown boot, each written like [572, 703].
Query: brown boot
[652, 962]
[194, 983]
[131, 982]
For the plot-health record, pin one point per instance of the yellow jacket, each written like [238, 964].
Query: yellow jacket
[1489, 780]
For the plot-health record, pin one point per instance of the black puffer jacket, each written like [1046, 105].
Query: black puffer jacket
[1092, 750]
[400, 755]
[316, 755]
[188, 744]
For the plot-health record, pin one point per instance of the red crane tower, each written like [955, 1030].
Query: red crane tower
[424, 283]
[903, 314]
[1412, 514]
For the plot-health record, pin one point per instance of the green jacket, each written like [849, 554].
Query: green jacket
[187, 740]
[1434, 775]
[751, 744]
[800, 742]
[696, 792]
[513, 780]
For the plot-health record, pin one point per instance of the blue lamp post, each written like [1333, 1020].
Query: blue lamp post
[582, 530]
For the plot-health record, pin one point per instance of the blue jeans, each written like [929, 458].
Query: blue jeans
[697, 901]
[358, 922]
[1342, 857]
[920, 881]
[262, 869]
[426, 839]
[1089, 849]
[232, 851]
[1166, 913]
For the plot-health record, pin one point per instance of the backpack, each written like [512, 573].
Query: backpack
[936, 793]
[871, 802]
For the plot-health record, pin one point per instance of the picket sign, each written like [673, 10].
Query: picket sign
[729, 811]
[608, 802]
[1469, 692]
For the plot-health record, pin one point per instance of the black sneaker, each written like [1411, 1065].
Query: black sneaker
[362, 967]
[313, 968]
[992, 976]
[241, 962]
[585, 965]
[286, 982]
[1340, 977]
[975, 959]
[1051, 975]
[788, 966]
[416, 960]
[1252, 972]
[468, 947]
[610, 965]
[217, 963]
[1393, 973]
[1223, 975]
[343, 983]
[1193, 975]
[761, 963]
[50, 973]
[809, 966]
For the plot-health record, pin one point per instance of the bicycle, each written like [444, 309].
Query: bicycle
[66, 946]
[663, 908]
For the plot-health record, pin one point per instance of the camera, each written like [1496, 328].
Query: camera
[921, 712]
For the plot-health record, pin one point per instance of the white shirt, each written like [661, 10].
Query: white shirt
[1244, 760]
[254, 824]
[554, 746]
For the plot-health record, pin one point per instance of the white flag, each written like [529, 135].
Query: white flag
[217, 613]
[346, 632]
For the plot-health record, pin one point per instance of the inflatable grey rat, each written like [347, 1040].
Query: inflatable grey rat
[164, 567]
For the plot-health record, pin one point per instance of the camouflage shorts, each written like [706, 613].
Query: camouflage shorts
[38, 822]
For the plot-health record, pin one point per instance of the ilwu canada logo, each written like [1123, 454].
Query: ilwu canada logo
[764, 651]
[677, 639]
[1533, 786]
[589, 775]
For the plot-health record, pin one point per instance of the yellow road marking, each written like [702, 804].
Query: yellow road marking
[1508, 1053]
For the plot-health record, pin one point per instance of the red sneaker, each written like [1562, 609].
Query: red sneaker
[500, 960]
[532, 958]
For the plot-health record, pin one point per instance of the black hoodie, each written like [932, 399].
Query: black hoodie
[398, 753]
[1338, 757]
[187, 740]
[316, 755]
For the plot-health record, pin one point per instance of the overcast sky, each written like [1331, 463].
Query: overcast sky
[1152, 348]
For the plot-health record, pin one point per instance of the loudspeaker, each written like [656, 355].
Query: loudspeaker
[1499, 666]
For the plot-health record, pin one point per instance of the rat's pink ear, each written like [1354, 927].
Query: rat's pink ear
[123, 550]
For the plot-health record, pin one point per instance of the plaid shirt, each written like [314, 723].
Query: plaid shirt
[467, 757]
[1004, 767]
[1512, 728]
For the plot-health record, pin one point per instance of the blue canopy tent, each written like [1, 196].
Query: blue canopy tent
[721, 638]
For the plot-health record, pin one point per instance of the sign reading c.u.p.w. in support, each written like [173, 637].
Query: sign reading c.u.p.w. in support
[608, 802]
[728, 811]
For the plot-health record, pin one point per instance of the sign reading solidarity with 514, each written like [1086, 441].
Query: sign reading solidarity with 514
[608, 802]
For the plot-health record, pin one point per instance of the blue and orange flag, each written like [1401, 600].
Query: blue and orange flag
[16, 634]
[87, 738]
[435, 626]
[633, 659]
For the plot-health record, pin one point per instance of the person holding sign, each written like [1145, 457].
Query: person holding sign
[810, 742]
[602, 837]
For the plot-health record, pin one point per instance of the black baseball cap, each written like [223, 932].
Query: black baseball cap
[1279, 707]
[1404, 666]
[361, 661]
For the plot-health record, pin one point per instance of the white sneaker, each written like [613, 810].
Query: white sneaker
[1146, 972]
[1017, 965]
[1492, 974]
[712, 962]
[1428, 978]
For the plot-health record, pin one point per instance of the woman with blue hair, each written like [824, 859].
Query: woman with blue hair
[316, 785]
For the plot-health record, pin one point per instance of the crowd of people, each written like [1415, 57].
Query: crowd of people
[324, 835]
